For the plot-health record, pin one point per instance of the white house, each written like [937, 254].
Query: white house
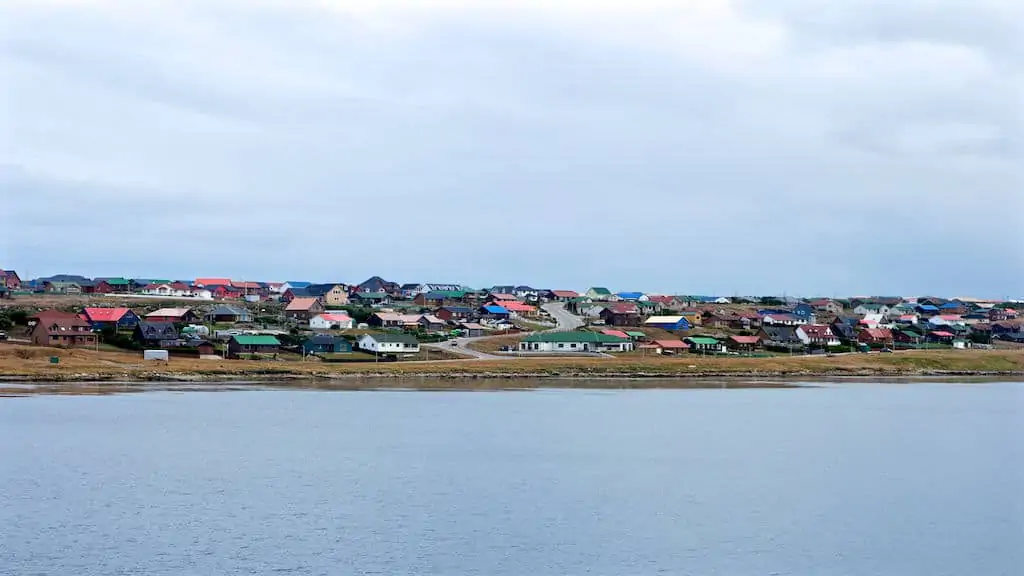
[176, 290]
[388, 343]
[330, 321]
[865, 309]
[946, 320]
[782, 320]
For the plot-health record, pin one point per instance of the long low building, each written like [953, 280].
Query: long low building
[574, 342]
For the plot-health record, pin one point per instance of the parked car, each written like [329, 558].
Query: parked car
[3, 335]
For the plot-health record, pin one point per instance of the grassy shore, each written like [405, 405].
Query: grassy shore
[32, 364]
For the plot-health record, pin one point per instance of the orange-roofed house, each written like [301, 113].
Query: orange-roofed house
[100, 318]
[330, 321]
[875, 337]
[743, 343]
[670, 346]
[518, 308]
[303, 308]
[209, 283]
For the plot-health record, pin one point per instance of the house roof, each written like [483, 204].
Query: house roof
[471, 326]
[630, 295]
[392, 337]
[634, 334]
[502, 297]
[246, 285]
[168, 312]
[301, 304]
[513, 306]
[665, 320]
[578, 337]
[672, 344]
[928, 307]
[878, 333]
[458, 309]
[565, 293]
[370, 295]
[492, 309]
[706, 340]
[212, 282]
[431, 319]
[943, 334]
[600, 291]
[256, 340]
[661, 299]
[616, 333]
[745, 339]
[297, 284]
[335, 317]
[444, 294]
[817, 330]
[106, 314]
[781, 333]
[323, 339]
[624, 308]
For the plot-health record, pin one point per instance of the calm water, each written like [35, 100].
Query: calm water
[857, 479]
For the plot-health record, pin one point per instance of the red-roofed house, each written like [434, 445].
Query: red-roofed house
[64, 331]
[941, 336]
[208, 283]
[326, 321]
[519, 308]
[10, 280]
[743, 343]
[616, 333]
[563, 295]
[875, 336]
[670, 346]
[100, 318]
[175, 315]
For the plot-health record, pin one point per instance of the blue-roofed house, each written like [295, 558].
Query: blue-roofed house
[668, 322]
[494, 311]
[927, 309]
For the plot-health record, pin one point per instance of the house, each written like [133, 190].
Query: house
[472, 329]
[632, 296]
[62, 331]
[819, 335]
[927, 309]
[62, 287]
[909, 337]
[871, 308]
[251, 344]
[704, 345]
[826, 306]
[431, 323]
[598, 293]
[379, 285]
[844, 331]
[303, 308]
[509, 290]
[394, 320]
[370, 298]
[331, 321]
[9, 279]
[100, 318]
[493, 311]
[440, 297]
[516, 308]
[156, 334]
[743, 343]
[326, 344]
[616, 333]
[787, 337]
[941, 337]
[330, 295]
[211, 283]
[946, 320]
[228, 313]
[621, 314]
[1008, 327]
[783, 320]
[500, 298]
[390, 343]
[172, 290]
[246, 287]
[693, 316]
[718, 319]
[176, 315]
[561, 295]
[115, 284]
[454, 313]
[668, 322]
[805, 311]
[293, 284]
[574, 342]
[952, 307]
[669, 346]
[876, 337]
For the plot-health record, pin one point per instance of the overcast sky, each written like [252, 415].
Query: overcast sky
[685, 146]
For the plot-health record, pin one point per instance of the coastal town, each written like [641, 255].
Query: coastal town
[381, 320]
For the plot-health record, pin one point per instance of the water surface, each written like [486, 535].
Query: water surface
[851, 479]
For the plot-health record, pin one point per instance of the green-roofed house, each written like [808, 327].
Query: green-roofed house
[636, 335]
[704, 345]
[599, 293]
[574, 342]
[244, 344]
[441, 298]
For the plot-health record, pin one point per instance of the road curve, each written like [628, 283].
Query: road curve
[564, 320]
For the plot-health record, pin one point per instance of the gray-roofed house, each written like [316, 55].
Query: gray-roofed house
[326, 344]
[788, 337]
[156, 334]
[228, 313]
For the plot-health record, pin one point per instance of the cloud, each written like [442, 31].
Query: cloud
[697, 146]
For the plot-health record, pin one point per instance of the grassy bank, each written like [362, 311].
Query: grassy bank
[31, 363]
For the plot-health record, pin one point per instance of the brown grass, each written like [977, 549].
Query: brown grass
[494, 343]
[24, 362]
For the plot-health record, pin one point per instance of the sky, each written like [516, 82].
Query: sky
[689, 146]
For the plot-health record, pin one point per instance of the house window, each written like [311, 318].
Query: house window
[573, 345]
[561, 345]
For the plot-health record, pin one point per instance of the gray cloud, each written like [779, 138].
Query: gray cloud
[866, 152]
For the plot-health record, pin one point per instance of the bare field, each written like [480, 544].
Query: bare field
[32, 363]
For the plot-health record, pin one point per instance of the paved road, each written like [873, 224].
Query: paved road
[564, 319]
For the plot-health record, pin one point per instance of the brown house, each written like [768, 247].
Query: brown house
[621, 315]
[10, 280]
[875, 336]
[303, 308]
[63, 332]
